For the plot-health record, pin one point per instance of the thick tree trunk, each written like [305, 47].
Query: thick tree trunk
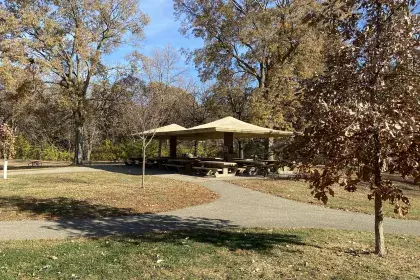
[89, 152]
[78, 151]
[143, 164]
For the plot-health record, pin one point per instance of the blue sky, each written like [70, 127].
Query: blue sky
[162, 30]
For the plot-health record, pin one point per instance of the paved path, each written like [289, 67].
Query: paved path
[237, 207]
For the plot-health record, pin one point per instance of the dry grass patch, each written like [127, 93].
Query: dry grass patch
[357, 201]
[212, 254]
[96, 194]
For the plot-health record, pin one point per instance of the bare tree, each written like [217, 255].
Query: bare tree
[158, 89]
[66, 41]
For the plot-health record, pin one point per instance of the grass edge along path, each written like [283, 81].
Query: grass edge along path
[342, 200]
[214, 254]
[94, 195]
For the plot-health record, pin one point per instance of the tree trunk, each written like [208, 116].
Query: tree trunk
[89, 153]
[143, 164]
[78, 151]
[379, 216]
[379, 229]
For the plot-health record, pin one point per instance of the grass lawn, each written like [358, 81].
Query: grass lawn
[233, 254]
[96, 194]
[357, 201]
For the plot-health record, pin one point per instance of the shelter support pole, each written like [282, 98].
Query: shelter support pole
[172, 147]
[240, 149]
[228, 143]
[160, 148]
[195, 148]
[270, 148]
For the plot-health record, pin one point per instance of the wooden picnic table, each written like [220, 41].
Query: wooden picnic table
[160, 161]
[210, 159]
[182, 164]
[244, 161]
[248, 166]
[267, 161]
[215, 167]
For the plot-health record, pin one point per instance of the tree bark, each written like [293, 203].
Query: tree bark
[143, 164]
[379, 216]
[379, 229]
[89, 152]
[78, 151]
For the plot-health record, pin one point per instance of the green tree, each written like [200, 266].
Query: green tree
[66, 41]
[268, 40]
[364, 110]
[7, 142]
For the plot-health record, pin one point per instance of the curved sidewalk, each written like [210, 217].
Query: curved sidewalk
[237, 207]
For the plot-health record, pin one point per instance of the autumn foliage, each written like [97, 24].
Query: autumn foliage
[363, 112]
[7, 141]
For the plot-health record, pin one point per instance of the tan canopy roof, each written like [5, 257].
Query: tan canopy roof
[160, 132]
[216, 130]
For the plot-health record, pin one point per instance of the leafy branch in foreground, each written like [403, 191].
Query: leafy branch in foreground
[363, 112]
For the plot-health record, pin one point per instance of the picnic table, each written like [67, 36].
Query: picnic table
[216, 168]
[248, 166]
[254, 167]
[181, 164]
[211, 159]
[160, 161]
[269, 161]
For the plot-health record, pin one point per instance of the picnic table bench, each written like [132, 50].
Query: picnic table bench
[179, 167]
[215, 167]
[182, 164]
[159, 161]
[35, 163]
[246, 166]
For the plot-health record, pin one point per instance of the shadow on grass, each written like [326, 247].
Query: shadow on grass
[232, 239]
[155, 228]
[130, 170]
[62, 208]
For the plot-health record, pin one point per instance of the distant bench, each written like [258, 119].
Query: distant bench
[35, 163]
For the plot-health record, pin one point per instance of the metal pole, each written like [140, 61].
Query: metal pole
[5, 170]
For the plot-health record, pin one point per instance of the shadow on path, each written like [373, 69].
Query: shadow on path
[132, 225]
[61, 208]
